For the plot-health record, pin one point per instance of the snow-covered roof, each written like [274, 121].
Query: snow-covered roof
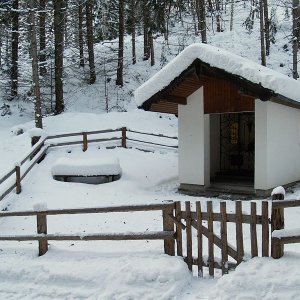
[272, 80]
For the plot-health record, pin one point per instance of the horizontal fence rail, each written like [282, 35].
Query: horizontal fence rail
[167, 234]
[146, 235]
[39, 150]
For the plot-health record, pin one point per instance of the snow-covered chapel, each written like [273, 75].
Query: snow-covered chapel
[239, 122]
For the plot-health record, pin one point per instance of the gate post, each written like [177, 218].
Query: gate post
[41, 220]
[277, 223]
[124, 137]
[168, 225]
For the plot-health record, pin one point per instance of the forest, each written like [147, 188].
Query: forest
[51, 50]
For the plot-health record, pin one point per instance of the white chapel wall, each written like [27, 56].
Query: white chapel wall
[193, 131]
[277, 145]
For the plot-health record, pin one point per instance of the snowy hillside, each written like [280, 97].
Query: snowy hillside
[130, 270]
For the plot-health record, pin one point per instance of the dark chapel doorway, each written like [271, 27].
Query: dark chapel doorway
[232, 148]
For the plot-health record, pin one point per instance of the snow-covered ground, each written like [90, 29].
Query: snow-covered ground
[120, 269]
[127, 269]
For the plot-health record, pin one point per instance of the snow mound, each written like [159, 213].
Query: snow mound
[222, 59]
[36, 132]
[278, 190]
[261, 278]
[94, 276]
[86, 166]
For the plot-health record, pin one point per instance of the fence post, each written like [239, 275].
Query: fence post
[41, 220]
[85, 141]
[277, 223]
[124, 137]
[18, 179]
[265, 229]
[178, 228]
[189, 241]
[168, 225]
[35, 140]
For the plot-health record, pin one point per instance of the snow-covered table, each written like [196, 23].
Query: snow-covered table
[92, 171]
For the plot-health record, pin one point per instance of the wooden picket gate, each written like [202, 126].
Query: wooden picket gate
[186, 221]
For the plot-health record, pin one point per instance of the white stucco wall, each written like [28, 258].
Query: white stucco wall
[277, 145]
[193, 133]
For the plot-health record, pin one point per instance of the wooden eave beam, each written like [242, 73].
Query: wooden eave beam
[279, 99]
[176, 99]
[164, 93]
[244, 86]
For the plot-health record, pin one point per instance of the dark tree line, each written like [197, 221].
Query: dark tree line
[47, 27]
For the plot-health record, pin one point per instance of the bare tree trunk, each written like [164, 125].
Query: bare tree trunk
[295, 37]
[262, 34]
[119, 80]
[42, 36]
[146, 29]
[218, 16]
[151, 49]
[1, 43]
[65, 21]
[35, 67]
[90, 39]
[231, 14]
[267, 26]
[133, 24]
[58, 41]
[200, 5]
[14, 73]
[80, 34]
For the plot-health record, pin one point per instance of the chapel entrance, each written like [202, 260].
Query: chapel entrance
[232, 149]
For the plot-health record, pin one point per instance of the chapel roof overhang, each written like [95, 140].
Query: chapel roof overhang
[205, 61]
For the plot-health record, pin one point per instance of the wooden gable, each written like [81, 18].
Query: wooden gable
[223, 92]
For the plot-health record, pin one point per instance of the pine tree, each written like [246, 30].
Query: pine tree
[35, 66]
[58, 6]
[80, 34]
[296, 32]
[90, 39]
[42, 36]
[14, 73]
[119, 80]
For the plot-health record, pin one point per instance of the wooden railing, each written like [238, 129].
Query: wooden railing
[39, 150]
[179, 220]
[42, 236]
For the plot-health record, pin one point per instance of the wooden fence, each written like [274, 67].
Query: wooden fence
[39, 150]
[195, 219]
[185, 226]
[167, 234]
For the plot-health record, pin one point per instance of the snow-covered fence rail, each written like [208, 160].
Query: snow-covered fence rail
[281, 236]
[135, 136]
[9, 183]
[12, 179]
[85, 141]
[141, 140]
[167, 234]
